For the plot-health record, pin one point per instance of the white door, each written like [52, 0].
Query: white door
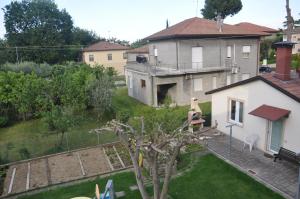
[275, 135]
[197, 57]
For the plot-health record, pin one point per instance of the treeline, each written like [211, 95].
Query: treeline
[56, 93]
[37, 31]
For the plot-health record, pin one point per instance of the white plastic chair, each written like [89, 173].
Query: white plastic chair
[250, 140]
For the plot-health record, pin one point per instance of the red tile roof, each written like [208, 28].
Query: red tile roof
[142, 49]
[257, 28]
[290, 88]
[198, 27]
[103, 46]
[270, 112]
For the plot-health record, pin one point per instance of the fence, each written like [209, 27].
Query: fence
[50, 143]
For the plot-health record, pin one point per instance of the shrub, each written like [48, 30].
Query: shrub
[3, 121]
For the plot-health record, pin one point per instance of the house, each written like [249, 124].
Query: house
[106, 54]
[192, 57]
[267, 105]
[295, 38]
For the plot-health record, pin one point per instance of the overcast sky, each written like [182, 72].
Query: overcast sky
[136, 19]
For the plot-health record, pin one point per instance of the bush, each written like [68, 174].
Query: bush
[3, 121]
[296, 61]
[24, 153]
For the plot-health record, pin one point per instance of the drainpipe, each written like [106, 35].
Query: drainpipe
[177, 57]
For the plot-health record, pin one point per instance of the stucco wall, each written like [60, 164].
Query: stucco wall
[179, 52]
[100, 57]
[254, 95]
[143, 94]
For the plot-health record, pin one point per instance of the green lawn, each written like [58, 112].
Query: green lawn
[210, 178]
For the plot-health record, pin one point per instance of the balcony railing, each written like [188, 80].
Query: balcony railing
[173, 69]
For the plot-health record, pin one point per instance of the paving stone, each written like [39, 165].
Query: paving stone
[280, 174]
[133, 188]
[120, 194]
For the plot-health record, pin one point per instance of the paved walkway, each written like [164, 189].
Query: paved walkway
[280, 175]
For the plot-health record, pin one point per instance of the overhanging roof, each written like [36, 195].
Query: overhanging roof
[270, 112]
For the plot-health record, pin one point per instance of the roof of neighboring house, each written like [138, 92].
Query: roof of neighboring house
[254, 27]
[270, 112]
[142, 49]
[104, 46]
[290, 88]
[295, 31]
[198, 27]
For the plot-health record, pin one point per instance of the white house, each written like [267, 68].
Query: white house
[267, 105]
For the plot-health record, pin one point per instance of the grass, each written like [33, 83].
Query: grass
[32, 138]
[209, 178]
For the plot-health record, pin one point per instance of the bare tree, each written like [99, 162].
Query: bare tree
[290, 21]
[154, 146]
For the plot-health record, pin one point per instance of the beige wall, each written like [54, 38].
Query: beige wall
[296, 39]
[101, 57]
[254, 95]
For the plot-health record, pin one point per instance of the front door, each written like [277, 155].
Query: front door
[197, 57]
[275, 135]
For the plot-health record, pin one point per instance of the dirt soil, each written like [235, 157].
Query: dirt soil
[64, 168]
[20, 178]
[94, 161]
[38, 174]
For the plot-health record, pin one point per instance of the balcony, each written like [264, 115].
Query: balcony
[172, 69]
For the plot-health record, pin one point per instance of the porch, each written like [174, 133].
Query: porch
[281, 176]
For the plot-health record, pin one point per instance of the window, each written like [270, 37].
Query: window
[236, 111]
[125, 56]
[109, 57]
[245, 76]
[228, 80]
[246, 51]
[143, 83]
[198, 85]
[228, 51]
[91, 58]
[214, 82]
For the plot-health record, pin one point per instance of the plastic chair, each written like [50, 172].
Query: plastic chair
[250, 140]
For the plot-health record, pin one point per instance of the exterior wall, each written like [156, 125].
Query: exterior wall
[177, 54]
[180, 94]
[100, 57]
[254, 95]
[296, 39]
[143, 94]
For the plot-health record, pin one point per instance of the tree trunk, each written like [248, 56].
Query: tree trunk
[168, 173]
[155, 177]
[138, 176]
[290, 21]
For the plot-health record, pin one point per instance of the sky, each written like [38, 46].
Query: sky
[137, 19]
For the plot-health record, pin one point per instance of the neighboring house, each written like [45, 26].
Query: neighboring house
[192, 57]
[267, 105]
[106, 54]
[295, 38]
[254, 27]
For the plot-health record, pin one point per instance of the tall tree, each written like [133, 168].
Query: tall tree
[290, 21]
[224, 8]
[38, 23]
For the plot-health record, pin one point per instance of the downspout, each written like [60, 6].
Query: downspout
[258, 56]
[177, 57]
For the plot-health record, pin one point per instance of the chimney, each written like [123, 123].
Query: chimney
[283, 60]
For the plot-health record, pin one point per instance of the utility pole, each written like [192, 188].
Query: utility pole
[289, 22]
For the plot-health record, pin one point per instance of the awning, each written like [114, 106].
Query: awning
[270, 112]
